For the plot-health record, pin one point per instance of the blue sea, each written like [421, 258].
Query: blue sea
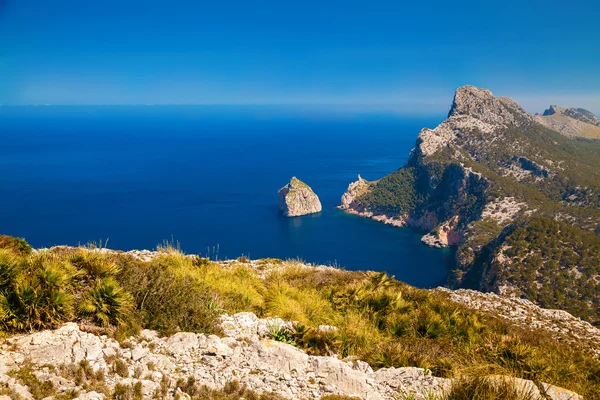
[207, 177]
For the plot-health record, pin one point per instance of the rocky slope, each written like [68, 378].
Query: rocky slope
[558, 323]
[246, 354]
[88, 366]
[162, 324]
[486, 178]
[297, 198]
[571, 122]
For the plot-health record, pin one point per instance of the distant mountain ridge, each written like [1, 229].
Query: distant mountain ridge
[519, 200]
[571, 122]
[578, 113]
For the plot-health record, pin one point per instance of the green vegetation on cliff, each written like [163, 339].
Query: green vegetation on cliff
[379, 320]
[394, 194]
[555, 265]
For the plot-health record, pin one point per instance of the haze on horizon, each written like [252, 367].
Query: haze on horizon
[389, 55]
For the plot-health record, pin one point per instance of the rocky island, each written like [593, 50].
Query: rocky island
[297, 198]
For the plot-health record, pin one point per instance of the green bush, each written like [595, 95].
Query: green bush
[232, 390]
[39, 296]
[106, 303]
[17, 246]
[482, 388]
[168, 297]
[38, 389]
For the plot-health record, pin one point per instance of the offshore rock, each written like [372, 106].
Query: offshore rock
[297, 198]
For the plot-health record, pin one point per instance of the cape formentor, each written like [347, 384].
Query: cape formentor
[518, 200]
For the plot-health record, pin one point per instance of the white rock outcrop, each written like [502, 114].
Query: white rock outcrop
[297, 198]
[245, 354]
[354, 190]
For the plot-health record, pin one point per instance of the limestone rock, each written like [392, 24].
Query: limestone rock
[263, 365]
[482, 105]
[297, 198]
[182, 342]
[445, 235]
[558, 393]
[354, 190]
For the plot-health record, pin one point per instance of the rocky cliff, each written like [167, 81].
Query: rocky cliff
[491, 173]
[571, 122]
[297, 198]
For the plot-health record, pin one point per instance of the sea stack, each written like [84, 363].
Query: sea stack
[297, 198]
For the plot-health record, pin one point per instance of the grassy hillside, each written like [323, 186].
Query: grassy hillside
[380, 320]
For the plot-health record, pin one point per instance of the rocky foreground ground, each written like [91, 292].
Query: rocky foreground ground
[245, 354]
[80, 362]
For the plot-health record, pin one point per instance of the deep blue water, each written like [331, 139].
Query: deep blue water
[207, 177]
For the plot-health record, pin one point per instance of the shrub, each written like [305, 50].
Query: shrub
[482, 388]
[315, 342]
[121, 369]
[10, 267]
[168, 296]
[96, 265]
[15, 245]
[39, 296]
[84, 375]
[281, 333]
[106, 303]
[231, 391]
[37, 388]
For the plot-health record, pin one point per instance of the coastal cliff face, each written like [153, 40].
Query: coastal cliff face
[297, 198]
[485, 180]
[571, 122]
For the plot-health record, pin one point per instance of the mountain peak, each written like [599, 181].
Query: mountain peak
[482, 105]
[553, 109]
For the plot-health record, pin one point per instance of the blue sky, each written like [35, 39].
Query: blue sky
[406, 56]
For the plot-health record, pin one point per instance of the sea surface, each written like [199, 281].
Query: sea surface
[207, 177]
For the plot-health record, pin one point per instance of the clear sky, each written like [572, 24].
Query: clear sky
[409, 56]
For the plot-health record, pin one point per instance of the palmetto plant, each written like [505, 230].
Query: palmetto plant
[37, 297]
[10, 266]
[106, 303]
[94, 264]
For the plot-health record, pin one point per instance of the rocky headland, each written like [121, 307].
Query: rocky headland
[297, 198]
[493, 180]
